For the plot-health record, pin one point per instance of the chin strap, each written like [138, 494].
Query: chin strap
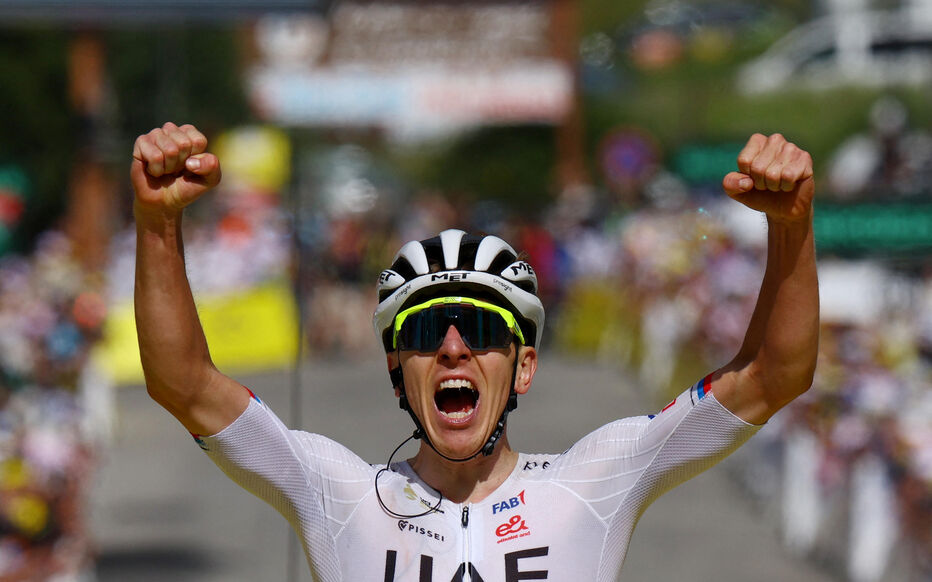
[397, 378]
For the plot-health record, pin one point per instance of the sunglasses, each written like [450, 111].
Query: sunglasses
[482, 325]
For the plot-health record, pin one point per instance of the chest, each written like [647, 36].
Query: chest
[530, 531]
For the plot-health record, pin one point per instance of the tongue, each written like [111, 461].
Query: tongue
[455, 401]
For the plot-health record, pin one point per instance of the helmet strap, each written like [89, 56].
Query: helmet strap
[397, 377]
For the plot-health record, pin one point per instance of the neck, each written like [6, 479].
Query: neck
[470, 481]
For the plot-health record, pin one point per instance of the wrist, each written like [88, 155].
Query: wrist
[801, 222]
[152, 217]
[158, 225]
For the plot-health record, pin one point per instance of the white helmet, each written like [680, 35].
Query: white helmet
[456, 263]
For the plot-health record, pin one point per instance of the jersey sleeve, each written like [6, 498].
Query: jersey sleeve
[311, 480]
[625, 465]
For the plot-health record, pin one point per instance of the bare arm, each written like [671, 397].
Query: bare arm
[777, 360]
[170, 170]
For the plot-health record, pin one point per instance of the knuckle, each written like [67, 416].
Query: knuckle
[758, 167]
[776, 137]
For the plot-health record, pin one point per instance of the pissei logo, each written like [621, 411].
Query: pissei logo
[408, 527]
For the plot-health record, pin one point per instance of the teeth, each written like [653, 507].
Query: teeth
[456, 415]
[456, 383]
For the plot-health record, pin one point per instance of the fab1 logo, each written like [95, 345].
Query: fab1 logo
[510, 503]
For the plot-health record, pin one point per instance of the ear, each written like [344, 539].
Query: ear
[527, 367]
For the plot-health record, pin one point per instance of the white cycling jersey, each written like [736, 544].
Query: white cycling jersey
[559, 517]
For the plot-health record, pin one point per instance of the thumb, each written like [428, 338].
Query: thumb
[736, 183]
[206, 166]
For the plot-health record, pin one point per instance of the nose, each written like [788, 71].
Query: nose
[453, 346]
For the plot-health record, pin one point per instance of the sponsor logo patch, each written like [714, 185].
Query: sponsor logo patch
[408, 527]
[508, 504]
[531, 465]
[513, 529]
[410, 494]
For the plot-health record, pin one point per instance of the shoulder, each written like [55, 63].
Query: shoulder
[260, 434]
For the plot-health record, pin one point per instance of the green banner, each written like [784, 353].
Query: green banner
[706, 163]
[874, 227]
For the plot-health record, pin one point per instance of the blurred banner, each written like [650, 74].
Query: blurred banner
[413, 68]
[248, 331]
[875, 227]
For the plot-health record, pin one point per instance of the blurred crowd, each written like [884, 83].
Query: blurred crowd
[846, 470]
[662, 287]
[54, 412]
[666, 292]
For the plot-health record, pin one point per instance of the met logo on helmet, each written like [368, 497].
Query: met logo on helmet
[384, 276]
[517, 268]
[451, 276]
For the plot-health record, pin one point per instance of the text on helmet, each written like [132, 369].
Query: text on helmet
[450, 276]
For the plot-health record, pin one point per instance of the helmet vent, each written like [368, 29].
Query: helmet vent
[468, 252]
[404, 268]
[501, 262]
[526, 286]
[491, 270]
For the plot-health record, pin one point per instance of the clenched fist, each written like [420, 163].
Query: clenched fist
[774, 177]
[171, 168]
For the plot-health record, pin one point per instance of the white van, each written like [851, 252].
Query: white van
[864, 48]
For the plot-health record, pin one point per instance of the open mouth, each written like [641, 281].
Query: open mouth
[456, 399]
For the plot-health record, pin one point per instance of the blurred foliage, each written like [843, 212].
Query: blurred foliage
[193, 74]
[606, 15]
[512, 164]
[693, 100]
[677, 112]
[38, 132]
[181, 74]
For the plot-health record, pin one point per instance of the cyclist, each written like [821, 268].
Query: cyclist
[460, 323]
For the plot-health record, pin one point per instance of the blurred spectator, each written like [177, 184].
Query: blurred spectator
[892, 159]
[51, 314]
[665, 290]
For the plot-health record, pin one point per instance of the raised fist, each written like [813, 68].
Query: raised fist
[774, 177]
[171, 168]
